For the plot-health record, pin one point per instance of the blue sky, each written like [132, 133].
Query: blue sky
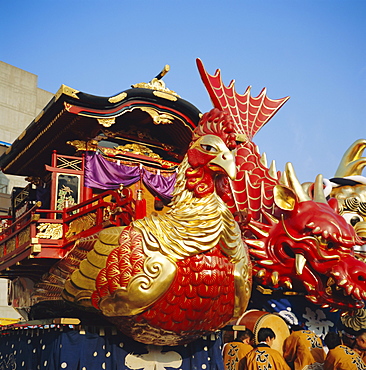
[312, 51]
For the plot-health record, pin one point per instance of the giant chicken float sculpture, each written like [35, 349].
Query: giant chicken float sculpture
[172, 278]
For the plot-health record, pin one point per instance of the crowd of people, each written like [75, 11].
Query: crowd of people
[302, 350]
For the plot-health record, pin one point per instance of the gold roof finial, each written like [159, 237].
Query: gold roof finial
[157, 83]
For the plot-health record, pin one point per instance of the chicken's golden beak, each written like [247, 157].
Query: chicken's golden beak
[226, 161]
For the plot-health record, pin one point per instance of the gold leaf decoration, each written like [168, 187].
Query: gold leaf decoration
[117, 98]
[106, 122]
[49, 231]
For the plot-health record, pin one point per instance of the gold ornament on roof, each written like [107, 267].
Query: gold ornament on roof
[118, 98]
[66, 90]
[157, 84]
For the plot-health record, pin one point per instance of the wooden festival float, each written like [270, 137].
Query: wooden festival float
[145, 225]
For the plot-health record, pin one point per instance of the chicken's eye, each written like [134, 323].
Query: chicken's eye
[208, 148]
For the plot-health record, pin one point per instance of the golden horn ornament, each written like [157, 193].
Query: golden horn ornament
[352, 162]
[295, 184]
[318, 190]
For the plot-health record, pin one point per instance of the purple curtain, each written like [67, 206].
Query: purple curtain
[103, 174]
[159, 185]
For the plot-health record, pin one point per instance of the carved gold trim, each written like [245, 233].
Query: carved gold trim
[154, 84]
[159, 87]
[49, 231]
[138, 149]
[118, 98]
[157, 83]
[165, 95]
[158, 118]
[113, 152]
[141, 134]
[67, 91]
[81, 145]
[106, 122]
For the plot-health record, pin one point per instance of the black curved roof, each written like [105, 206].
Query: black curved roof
[74, 115]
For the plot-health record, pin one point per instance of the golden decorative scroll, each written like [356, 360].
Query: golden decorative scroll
[81, 145]
[356, 320]
[143, 289]
[138, 149]
[158, 118]
[107, 122]
[49, 231]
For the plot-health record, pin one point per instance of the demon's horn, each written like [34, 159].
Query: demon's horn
[295, 184]
[352, 162]
[319, 190]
